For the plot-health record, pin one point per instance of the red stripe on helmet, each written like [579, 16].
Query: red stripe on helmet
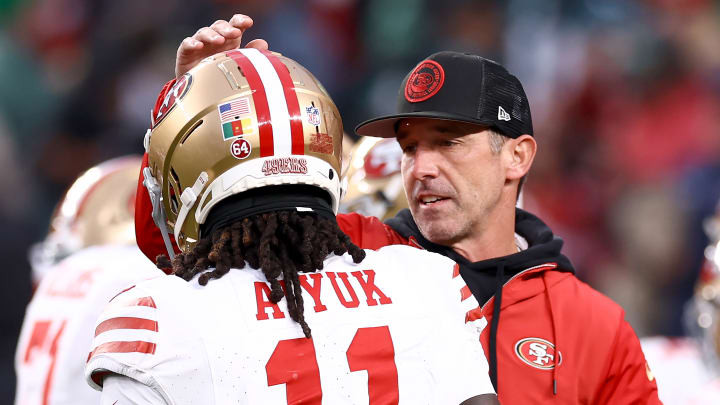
[296, 127]
[259, 99]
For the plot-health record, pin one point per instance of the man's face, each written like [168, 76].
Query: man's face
[452, 179]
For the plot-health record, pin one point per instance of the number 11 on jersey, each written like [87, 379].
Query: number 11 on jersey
[294, 364]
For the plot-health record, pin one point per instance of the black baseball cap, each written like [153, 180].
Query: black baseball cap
[458, 87]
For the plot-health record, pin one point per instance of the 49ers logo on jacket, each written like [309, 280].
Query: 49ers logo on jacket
[538, 353]
[176, 93]
[424, 81]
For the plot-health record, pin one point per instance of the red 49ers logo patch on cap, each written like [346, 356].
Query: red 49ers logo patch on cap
[538, 353]
[424, 82]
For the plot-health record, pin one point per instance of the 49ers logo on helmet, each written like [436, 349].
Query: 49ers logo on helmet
[424, 82]
[177, 92]
[383, 159]
[538, 353]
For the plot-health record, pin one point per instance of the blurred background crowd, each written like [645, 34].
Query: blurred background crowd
[625, 97]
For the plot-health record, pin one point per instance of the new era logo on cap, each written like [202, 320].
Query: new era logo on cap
[502, 114]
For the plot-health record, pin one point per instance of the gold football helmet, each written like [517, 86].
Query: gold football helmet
[97, 209]
[375, 185]
[240, 120]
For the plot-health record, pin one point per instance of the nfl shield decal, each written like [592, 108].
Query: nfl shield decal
[313, 115]
[538, 353]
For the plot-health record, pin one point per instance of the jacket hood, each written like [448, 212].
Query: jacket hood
[543, 247]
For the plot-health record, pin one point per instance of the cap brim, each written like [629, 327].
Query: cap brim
[384, 127]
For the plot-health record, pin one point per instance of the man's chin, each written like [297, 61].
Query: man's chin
[440, 235]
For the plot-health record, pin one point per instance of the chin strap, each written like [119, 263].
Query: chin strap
[158, 213]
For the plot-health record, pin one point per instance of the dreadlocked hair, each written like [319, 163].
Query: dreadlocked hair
[281, 243]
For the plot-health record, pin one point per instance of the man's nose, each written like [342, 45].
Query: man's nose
[425, 163]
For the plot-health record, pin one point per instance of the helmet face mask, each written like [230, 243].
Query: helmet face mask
[238, 121]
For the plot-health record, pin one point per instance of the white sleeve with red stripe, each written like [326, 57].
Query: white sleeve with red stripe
[468, 302]
[474, 319]
[464, 360]
[471, 351]
[121, 390]
[125, 335]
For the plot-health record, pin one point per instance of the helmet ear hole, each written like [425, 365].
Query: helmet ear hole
[174, 191]
[331, 174]
[187, 135]
[173, 201]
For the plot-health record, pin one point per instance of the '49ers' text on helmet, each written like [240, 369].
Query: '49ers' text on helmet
[97, 209]
[240, 120]
[375, 186]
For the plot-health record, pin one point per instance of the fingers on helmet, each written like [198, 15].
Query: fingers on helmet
[241, 21]
[260, 44]
[189, 45]
[209, 36]
[225, 29]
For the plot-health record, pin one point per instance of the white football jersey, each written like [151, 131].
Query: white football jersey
[678, 366]
[391, 329]
[60, 320]
[709, 394]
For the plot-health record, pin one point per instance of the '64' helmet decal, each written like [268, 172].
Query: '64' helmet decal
[538, 353]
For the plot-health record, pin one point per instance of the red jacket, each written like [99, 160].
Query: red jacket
[600, 359]
[554, 333]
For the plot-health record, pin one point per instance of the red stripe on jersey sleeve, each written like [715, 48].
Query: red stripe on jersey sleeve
[465, 293]
[473, 315]
[143, 302]
[138, 346]
[267, 147]
[127, 289]
[296, 127]
[456, 270]
[126, 323]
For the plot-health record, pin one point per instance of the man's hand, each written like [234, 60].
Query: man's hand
[220, 36]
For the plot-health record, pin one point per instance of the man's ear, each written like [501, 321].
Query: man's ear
[521, 153]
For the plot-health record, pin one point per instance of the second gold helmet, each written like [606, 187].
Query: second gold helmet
[375, 185]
